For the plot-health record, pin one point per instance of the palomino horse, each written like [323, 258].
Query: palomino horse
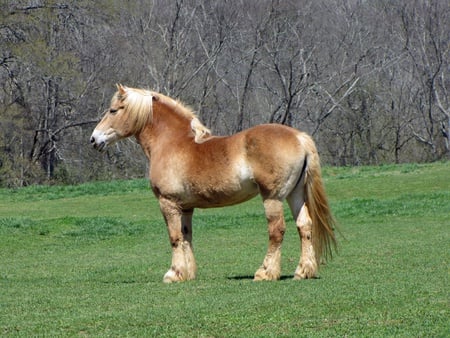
[190, 169]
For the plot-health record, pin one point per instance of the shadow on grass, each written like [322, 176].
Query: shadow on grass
[248, 277]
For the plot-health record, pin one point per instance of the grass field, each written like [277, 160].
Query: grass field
[88, 260]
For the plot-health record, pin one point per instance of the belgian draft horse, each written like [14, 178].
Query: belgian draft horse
[190, 168]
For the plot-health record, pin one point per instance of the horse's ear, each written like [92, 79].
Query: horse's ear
[121, 89]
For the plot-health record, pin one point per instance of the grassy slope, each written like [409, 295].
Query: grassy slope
[88, 260]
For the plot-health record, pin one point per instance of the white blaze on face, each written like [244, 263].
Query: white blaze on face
[99, 136]
[100, 139]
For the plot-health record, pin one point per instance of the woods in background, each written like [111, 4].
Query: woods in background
[368, 79]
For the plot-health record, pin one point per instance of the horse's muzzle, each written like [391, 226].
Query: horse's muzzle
[99, 146]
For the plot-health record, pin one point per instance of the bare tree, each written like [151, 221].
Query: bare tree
[369, 79]
[426, 35]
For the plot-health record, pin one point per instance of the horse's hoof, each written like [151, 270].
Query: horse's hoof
[265, 274]
[306, 271]
[172, 276]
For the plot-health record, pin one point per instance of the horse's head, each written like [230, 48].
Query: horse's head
[128, 113]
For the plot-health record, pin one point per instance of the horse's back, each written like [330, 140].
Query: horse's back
[271, 136]
[263, 148]
[273, 141]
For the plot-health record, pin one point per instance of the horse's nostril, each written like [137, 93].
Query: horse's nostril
[92, 139]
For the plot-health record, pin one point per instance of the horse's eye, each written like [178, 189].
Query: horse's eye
[115, 110]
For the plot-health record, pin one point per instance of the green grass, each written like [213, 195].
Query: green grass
[88, 260]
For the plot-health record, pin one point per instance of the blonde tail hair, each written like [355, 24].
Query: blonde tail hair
[323, 236]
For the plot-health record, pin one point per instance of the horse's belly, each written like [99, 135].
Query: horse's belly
[221, 195]
[220, 198]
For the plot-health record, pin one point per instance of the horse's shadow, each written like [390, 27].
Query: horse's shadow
[248, 277]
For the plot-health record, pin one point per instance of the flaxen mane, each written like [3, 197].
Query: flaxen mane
[139, 104]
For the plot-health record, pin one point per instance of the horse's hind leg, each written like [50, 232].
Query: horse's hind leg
[179, 226]
[271, 267]
[307, 266]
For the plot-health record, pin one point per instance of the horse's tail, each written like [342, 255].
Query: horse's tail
[323, 223]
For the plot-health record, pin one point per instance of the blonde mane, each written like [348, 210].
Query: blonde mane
[139, 105]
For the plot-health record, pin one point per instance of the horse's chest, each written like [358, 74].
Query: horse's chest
[166, 180]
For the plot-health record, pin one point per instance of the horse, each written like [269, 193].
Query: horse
[191, 168]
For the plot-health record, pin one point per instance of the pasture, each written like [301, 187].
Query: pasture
[88, 260]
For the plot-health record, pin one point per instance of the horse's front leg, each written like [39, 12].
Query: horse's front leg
[271, 267]
[186, 228]
[179, 226]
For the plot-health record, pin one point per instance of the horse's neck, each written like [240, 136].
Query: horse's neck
[166, 126]
[167, 122]
[145, 140]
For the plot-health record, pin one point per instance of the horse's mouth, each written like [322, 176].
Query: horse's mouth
[98, 146]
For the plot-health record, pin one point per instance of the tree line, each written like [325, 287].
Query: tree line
[367, 79]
